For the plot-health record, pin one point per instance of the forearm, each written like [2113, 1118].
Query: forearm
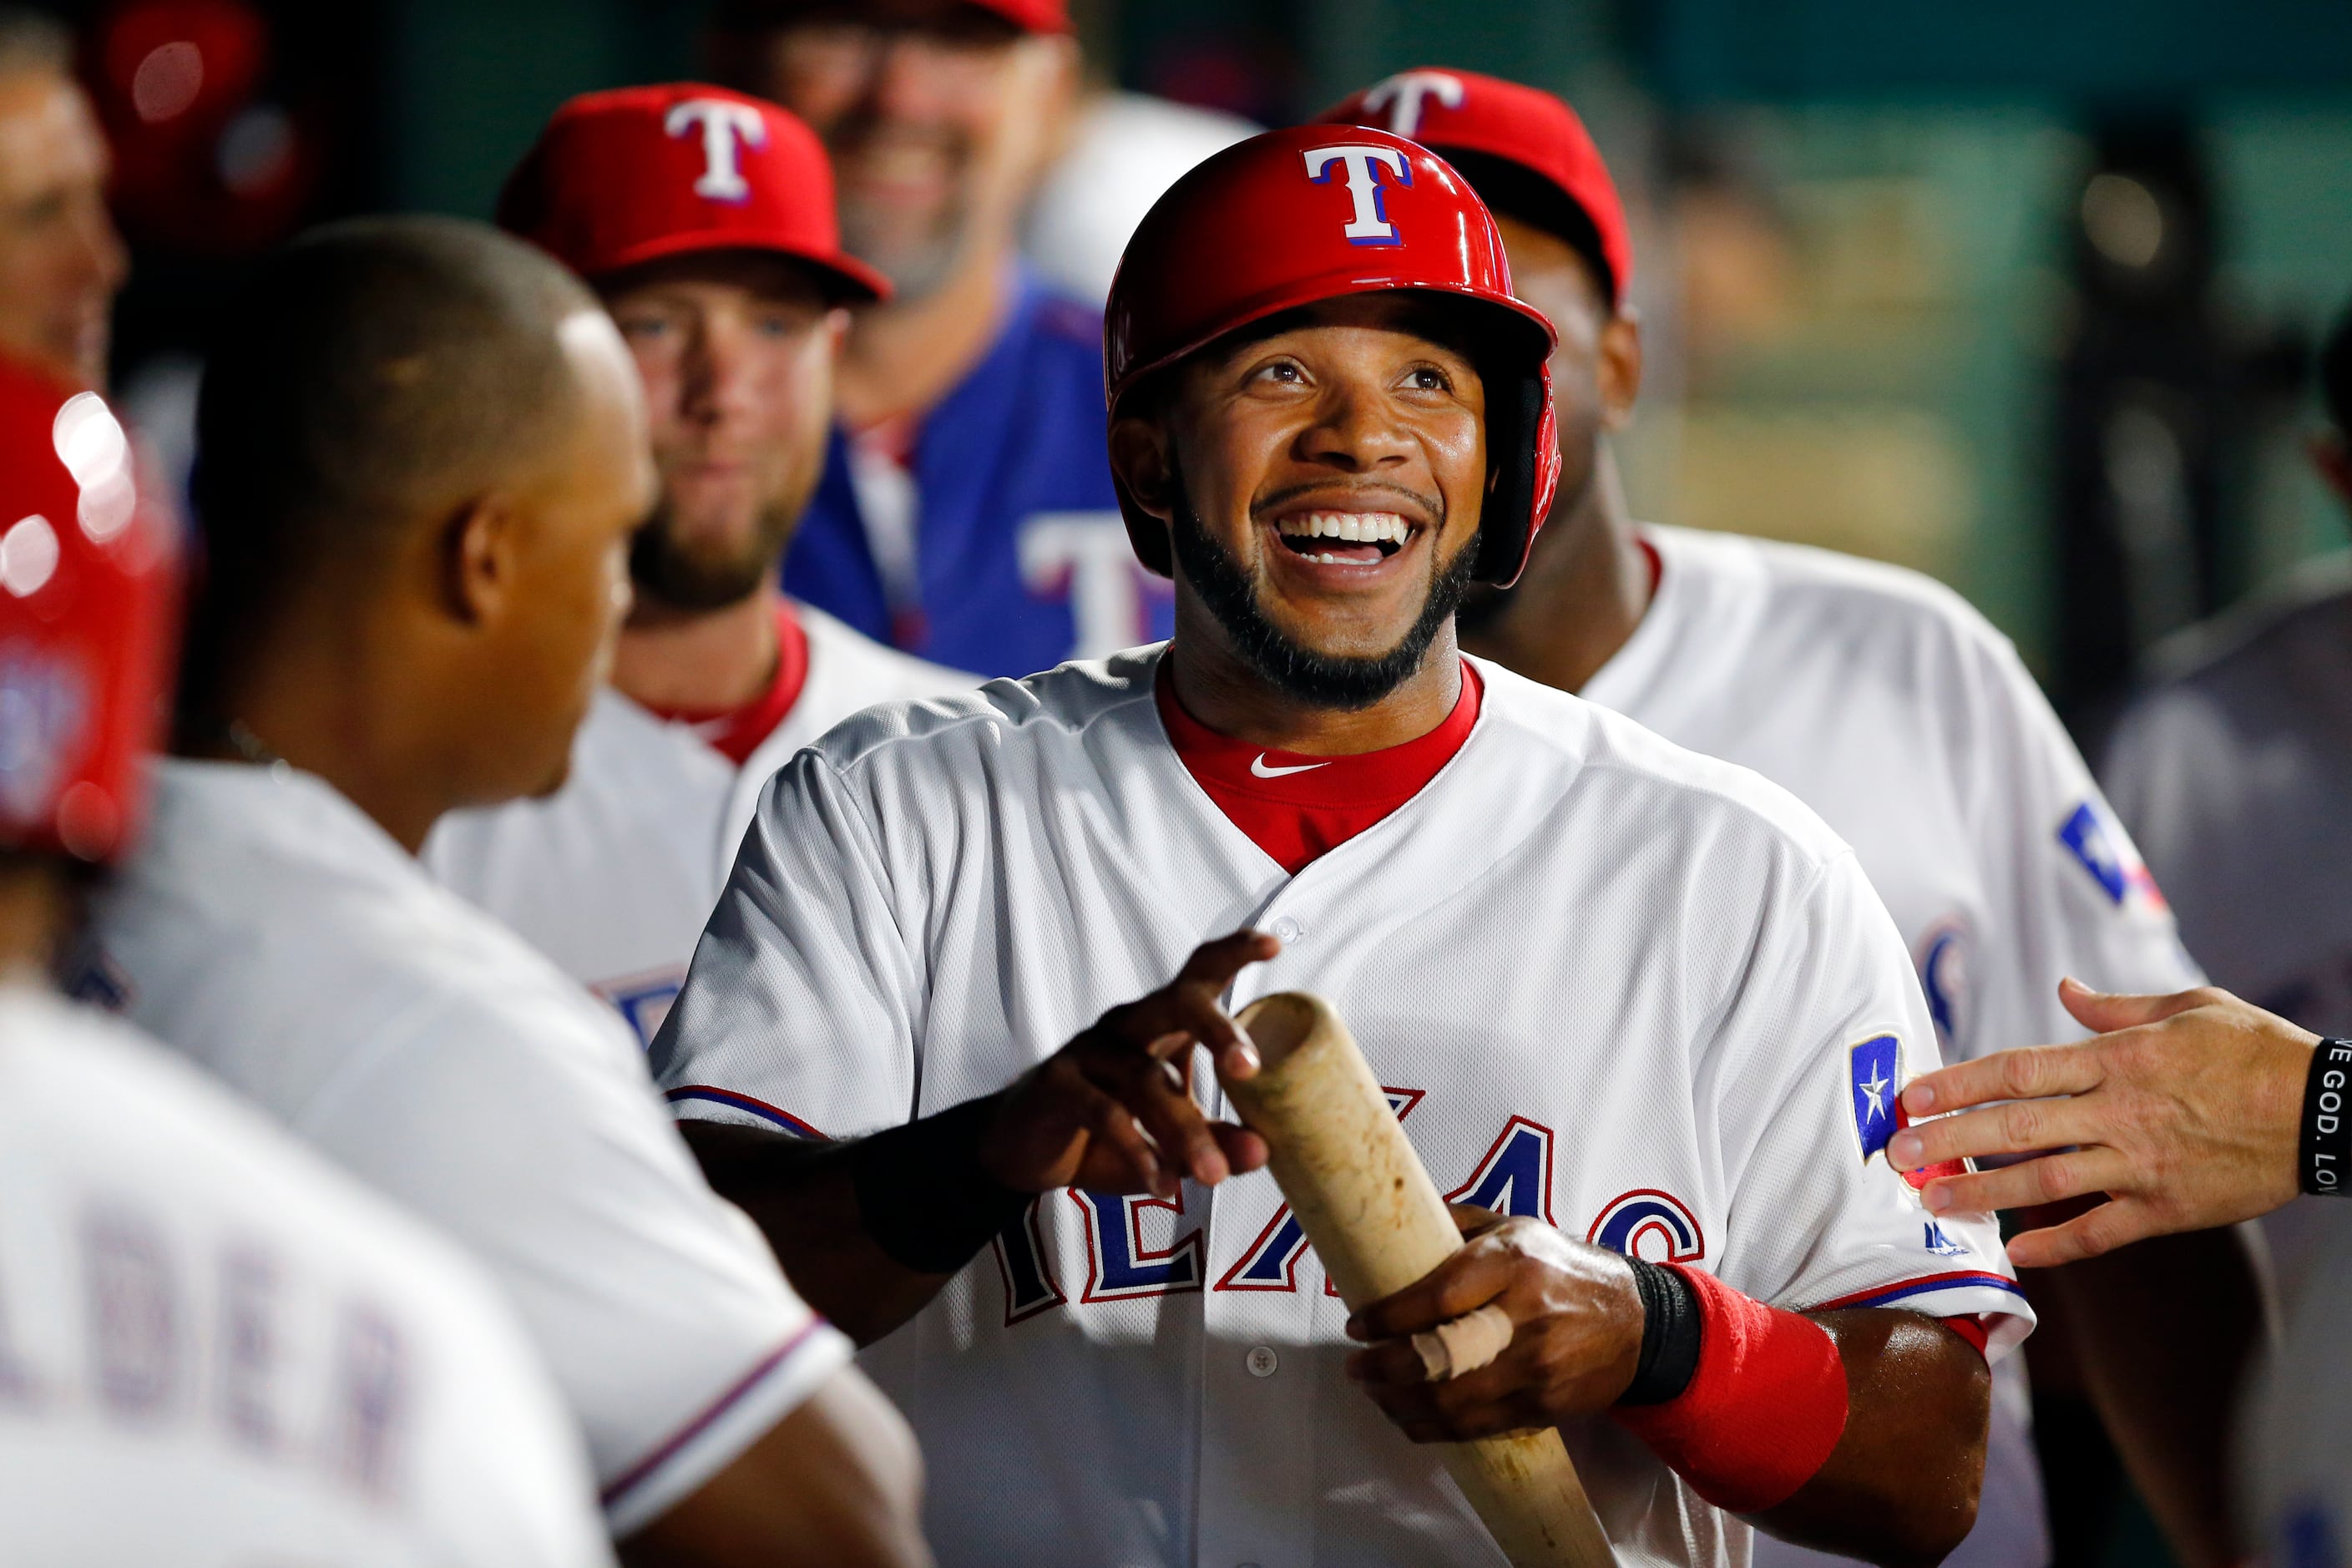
[1900, 1488]
[803, 1197]
[2164, 1330]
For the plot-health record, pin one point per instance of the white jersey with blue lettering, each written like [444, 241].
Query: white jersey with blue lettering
[1635, 993]
[218, 1349]
[614, 874]
[271, 930]
[1884, 701]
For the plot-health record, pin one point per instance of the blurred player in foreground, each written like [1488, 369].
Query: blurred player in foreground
[60, 258]
[967, 511]
[1610, 983]
[424, 453]
[705, 219]
[1887, 704]
[215, 1347]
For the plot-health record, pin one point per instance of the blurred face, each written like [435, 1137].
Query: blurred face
[570, 572]
[1323, 487]
[735, 352]
[939, 117]
[60, 258]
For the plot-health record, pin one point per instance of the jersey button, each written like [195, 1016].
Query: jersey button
[1288, 930]
[1261, 1360]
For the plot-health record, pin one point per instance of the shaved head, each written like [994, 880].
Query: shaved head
[382, 372]
[33, 40]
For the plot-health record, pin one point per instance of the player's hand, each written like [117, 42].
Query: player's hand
[1576, 1341]
[2184, 1110]
[1113, 1111]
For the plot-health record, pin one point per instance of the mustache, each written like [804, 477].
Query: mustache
[1429, 506]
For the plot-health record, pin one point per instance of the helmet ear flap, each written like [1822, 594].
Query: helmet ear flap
[1518, 434]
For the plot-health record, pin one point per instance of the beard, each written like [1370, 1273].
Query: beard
[697, 577]
[1344, 681]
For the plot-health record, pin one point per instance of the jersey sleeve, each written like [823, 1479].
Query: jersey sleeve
[800, 1011]
[527, 1130]
[2070, 893]
[1811, 1051]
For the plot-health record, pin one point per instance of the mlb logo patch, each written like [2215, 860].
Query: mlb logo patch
[1873, 1068]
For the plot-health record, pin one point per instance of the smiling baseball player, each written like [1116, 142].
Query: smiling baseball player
[705, 221]
[1889, 705]
[1640, 1004]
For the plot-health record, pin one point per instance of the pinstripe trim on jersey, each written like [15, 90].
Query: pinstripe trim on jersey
[758, 1107]
[668, 1447]
[1925, 1285]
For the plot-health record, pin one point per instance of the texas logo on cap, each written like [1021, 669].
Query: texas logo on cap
[643, 174]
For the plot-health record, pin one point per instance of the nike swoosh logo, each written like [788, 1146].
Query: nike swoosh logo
[1258, 766]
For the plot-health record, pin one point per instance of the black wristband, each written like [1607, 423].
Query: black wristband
[925, 1201]
[2325, 1162]
[1669, 1333]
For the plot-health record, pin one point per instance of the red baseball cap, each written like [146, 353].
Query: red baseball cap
[640, 173]
[1457, 112]
[1029, 16]
[88, 605]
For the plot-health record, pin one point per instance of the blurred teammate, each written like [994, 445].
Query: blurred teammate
[214, 1347]
[1610, 983]
[2231, 769]
[61, 261]
[966, 512]
[1889, 706]
[423, 452]
[705, 219]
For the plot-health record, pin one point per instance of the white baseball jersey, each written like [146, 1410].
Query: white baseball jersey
[1883, 701]
[2234, 770]
[1633, 992]
[614, 875]
[272, 931]
[217, 1350]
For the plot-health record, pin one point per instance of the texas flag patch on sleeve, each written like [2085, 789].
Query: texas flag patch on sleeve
[2103, 850]
[1874, 1079]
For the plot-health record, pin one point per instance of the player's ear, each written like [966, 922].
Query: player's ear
[1619, 367]
[1141, 458]
[475, 557]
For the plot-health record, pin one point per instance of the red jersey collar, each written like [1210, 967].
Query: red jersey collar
[736, 732]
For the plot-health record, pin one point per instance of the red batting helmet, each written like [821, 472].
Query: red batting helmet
[641, 173]
[89, 581]
[1295, 217]
[1471, 119]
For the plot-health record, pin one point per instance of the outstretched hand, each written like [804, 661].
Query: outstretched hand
[1113, 1111]
[2183, 1110]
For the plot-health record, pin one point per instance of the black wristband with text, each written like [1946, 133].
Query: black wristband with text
[2325, 1162]
[1670, 1336]
[921, 1189]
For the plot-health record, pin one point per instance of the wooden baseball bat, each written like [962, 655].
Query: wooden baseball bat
[1377, 1224]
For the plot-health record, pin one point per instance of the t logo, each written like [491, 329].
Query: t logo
[1404, 94]
[1363, 163]
[727, 128]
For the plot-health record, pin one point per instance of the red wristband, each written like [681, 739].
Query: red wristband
[1763, 1412]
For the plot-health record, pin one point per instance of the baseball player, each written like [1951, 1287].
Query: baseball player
[423, 454]
[61, 260]
[1889, 706]
[214, 1347]
[1638, 1005]
[705, 220]
[966, 512]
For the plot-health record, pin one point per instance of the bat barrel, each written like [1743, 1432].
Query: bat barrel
[1378, 1225]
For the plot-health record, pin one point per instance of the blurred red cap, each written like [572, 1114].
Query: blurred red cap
[1462, 111]
[640, 173]
[1031, 16]
[88, 602]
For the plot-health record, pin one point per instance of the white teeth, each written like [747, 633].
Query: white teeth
[1353, 527]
